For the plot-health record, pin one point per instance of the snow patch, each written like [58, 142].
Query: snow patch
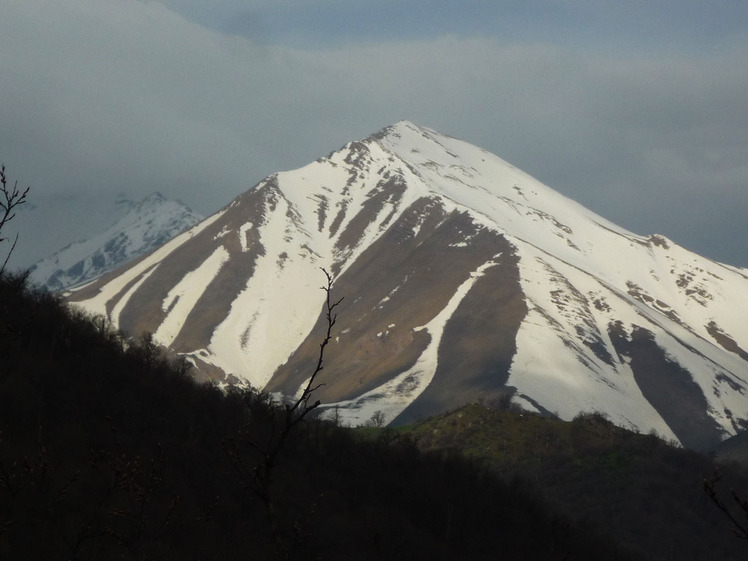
[243, 229]
[182, 298]
[393, 397]
[98, 304]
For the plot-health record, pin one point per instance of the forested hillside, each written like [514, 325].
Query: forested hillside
[110, 451]
[641, 490]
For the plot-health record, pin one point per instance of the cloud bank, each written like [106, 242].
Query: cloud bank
[107, 97]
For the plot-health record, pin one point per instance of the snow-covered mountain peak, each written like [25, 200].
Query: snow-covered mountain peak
[154, 199]
[469, 179]
[464, 278]
[141, 227]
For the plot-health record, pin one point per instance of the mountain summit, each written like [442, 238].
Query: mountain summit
[464, 279]
[140, 228]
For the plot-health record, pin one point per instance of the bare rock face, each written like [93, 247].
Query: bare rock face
[463, 279]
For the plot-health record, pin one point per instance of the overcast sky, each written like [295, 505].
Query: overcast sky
[636, 109]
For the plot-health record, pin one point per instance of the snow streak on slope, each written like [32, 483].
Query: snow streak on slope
[562, 347]
[183, 297]
[392, 398]
[111, 288]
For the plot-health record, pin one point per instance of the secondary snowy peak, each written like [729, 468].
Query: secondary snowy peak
[142, 226]
[464, 278]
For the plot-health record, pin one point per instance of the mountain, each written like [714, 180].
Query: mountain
[142, 227]
[463, 279]
[734, 449]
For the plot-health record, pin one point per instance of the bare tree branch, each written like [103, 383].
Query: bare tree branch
[258, 476]
[10, 199]
[310, 387]
[740, 519]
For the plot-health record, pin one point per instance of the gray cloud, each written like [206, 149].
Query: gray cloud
[106, 97]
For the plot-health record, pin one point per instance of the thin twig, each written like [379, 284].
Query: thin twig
[740, 529]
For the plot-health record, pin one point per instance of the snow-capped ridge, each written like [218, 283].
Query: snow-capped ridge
[141, 227]
[464, 278]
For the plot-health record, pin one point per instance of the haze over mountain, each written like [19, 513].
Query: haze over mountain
[464, 279]
[140, 228]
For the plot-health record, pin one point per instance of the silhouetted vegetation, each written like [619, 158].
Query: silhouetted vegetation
[642, 491]
[109, 450]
